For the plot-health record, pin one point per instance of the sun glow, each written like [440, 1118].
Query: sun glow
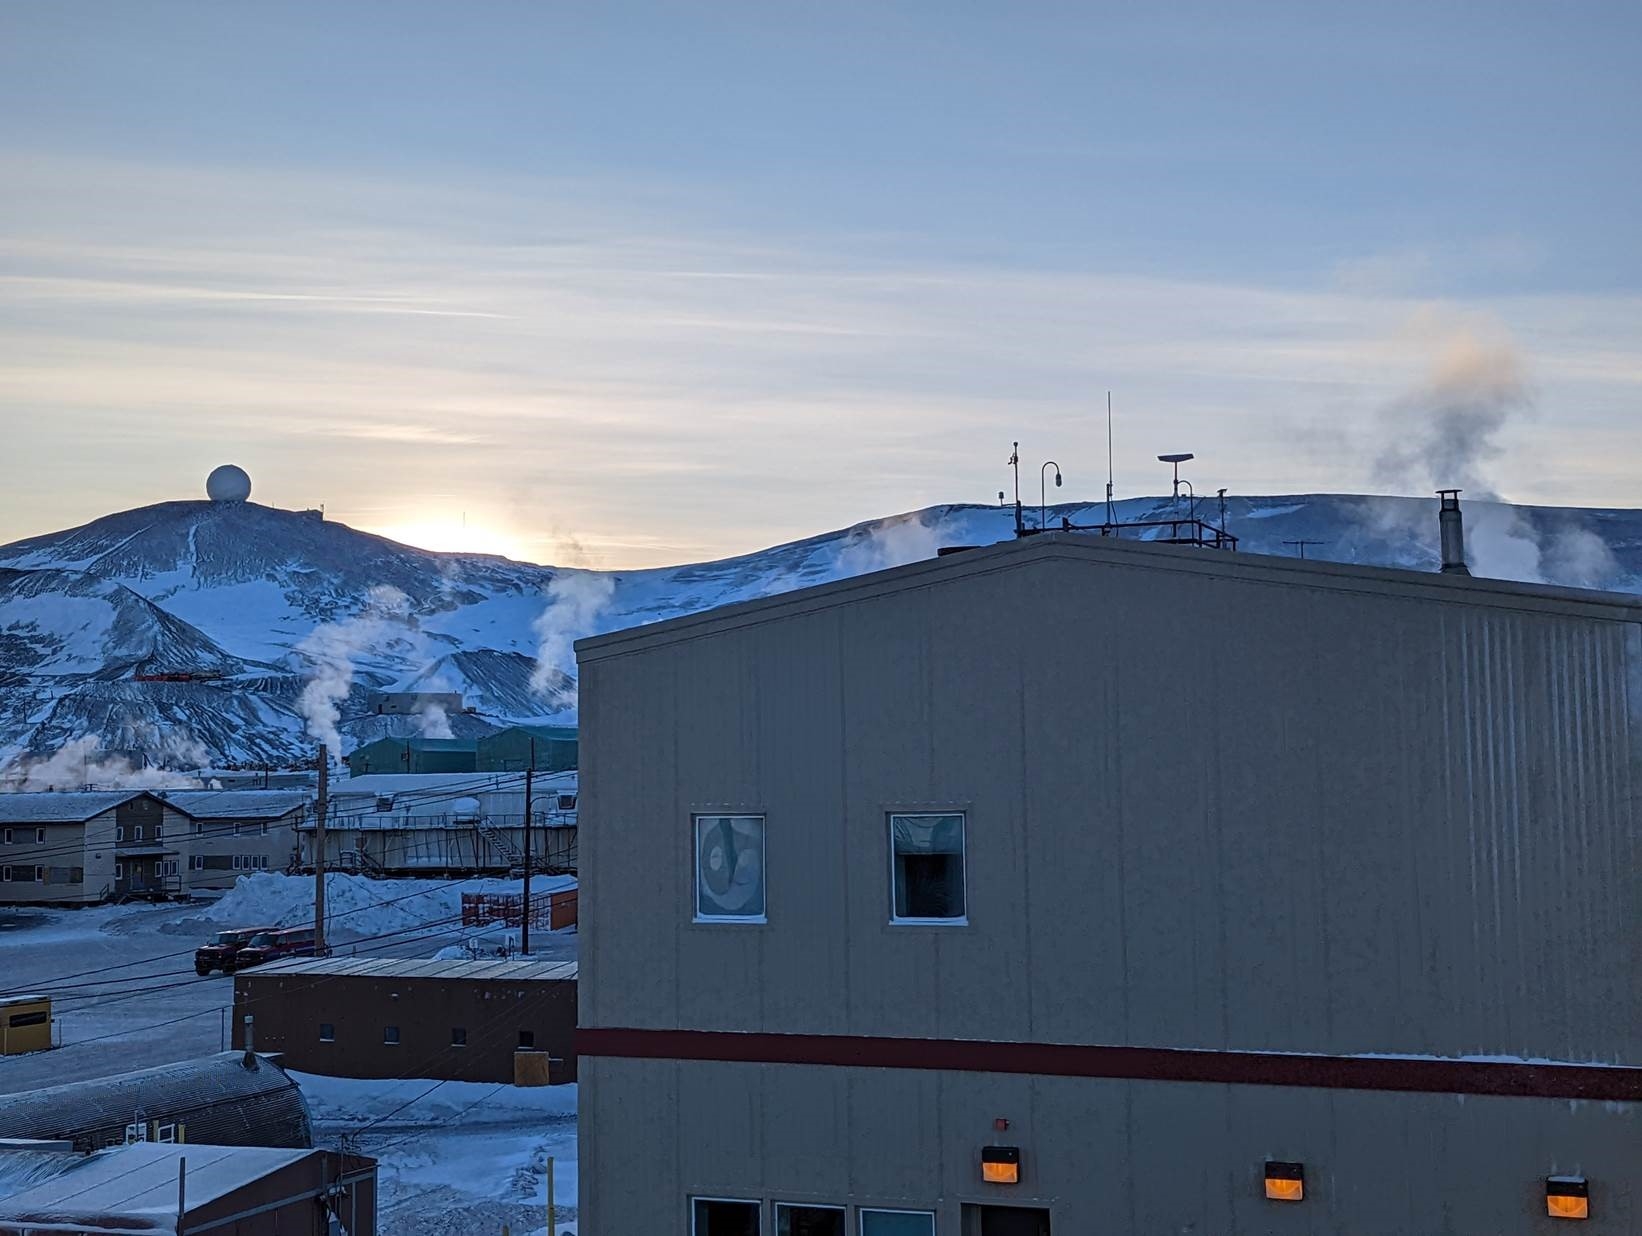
[456, 534]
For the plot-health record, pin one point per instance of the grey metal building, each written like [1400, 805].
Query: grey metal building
[1197, 892]
[228, 1099]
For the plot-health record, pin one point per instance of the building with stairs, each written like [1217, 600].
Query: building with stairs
[453, 823]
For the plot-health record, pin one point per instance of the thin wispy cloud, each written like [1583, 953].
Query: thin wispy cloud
[622, 372]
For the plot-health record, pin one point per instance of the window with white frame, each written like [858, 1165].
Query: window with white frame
[808, 1220]
[729, 868]
[5, 875]
[927, 868]
[724, 1216]
[897, 1223]
[39, 836]
[165, 1133]
[8, 836]
[119, 871]
[196, 862]
[119, 832]
[39, 875]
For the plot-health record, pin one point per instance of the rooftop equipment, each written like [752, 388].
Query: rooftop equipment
[1451, 525]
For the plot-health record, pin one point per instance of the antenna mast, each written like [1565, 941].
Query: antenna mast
[1015, 463]
[1110, 518]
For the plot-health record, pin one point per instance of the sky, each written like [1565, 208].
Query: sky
[631, 284]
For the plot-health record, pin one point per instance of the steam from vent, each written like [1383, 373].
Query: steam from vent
[1448, 431]
[82, 762]
[434, 722]
[332, 647]
[575, 600]
[1450, 424]
[888, 543]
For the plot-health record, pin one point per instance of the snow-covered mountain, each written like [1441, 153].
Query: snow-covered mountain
[193, 630]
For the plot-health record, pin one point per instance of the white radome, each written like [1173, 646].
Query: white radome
[229, 483]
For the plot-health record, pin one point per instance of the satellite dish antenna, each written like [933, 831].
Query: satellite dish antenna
[1176, 460]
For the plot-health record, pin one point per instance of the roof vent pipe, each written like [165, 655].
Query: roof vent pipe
[1451, 524]
[250, 1059]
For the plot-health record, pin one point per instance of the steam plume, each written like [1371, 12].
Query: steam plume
[83, 762]
[332, 647]
[888, 543]
[575, 600]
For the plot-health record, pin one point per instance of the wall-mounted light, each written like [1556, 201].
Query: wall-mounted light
[1001, 1164]
[1567, 1197]
[1285, 1182]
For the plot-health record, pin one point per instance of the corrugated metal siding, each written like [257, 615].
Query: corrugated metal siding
[1258, 811]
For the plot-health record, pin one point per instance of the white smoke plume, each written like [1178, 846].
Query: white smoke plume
[434, 722]
[331, 649]
[1448, 427]
[1447, 435]
[888, 543]
[82, 763]
[575, 600]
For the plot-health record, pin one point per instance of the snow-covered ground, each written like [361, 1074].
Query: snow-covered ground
[456, 1157]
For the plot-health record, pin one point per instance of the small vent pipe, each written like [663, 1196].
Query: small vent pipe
[1451, 525]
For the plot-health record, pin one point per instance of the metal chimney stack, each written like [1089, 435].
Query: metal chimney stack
[1452, 526]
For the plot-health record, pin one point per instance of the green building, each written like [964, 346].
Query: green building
[510, 750]
[414, 755]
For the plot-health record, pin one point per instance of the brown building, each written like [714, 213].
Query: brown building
[225, 1190]
[383, 1017]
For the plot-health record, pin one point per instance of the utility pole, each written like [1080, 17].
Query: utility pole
[530, 775]
[319, 850]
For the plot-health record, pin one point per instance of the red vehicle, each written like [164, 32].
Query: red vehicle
[220, 953]
[274, 945]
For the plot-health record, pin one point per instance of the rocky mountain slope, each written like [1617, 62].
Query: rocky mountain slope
[233, 633]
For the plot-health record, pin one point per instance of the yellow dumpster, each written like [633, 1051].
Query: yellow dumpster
[25, 1024]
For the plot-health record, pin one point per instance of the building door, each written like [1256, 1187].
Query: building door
[1005, 1221]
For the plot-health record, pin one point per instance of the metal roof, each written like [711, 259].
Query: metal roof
[1079, 549]
[237, 804]
[522, 969]
[219, 1099]
[136, 1178]
[551, 733]
[53, 807]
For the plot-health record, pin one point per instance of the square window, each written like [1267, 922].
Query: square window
[165, 1133]
[715, 1216]
[458, 1036]
[327, 1032]
[809, 1220]
[527, 1039]
[730, 868]
[390, 1035]
[897, 1223]
[927, 857]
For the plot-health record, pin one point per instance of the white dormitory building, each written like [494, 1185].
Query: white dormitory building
[76, 848]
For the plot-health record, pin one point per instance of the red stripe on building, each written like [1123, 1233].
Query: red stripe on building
[1521, 1079]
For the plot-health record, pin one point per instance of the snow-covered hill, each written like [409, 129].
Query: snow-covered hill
[286, 623]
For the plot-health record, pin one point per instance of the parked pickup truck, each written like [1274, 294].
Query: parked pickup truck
[224, 947]
[272, 945]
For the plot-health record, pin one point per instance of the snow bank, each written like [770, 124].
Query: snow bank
[355, 906]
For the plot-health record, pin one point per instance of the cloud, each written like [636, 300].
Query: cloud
[641, 371]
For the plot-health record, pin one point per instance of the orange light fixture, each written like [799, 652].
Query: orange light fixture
[1001, 1164]
[1285, 1182]
[1567, 1197]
